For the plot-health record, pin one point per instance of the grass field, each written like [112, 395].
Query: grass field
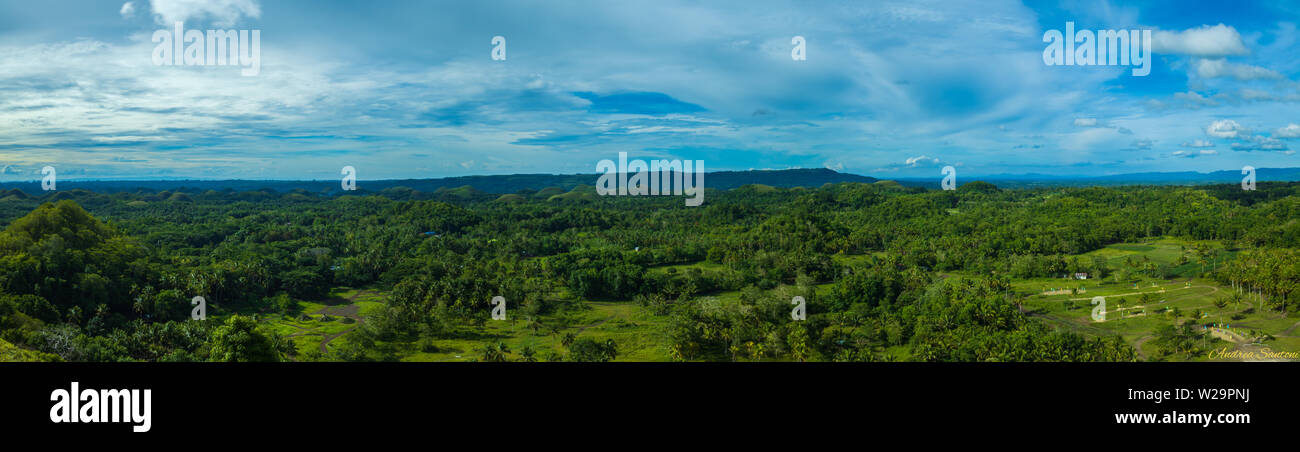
[1134, 309]
[636, 331]
[320, 323]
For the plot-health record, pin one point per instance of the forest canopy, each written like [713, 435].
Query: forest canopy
[889, 272]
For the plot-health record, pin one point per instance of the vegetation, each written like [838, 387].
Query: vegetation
[887, 272]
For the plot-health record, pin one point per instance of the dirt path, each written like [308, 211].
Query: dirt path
[584, 327]
[1074, 325]
[1214, 289]
[1137, 346]
[350, 311]
[1287, 332]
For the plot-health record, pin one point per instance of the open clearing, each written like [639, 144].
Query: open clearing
[1135, 308]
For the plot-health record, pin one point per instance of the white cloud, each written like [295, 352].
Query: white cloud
[922, 160]
[1219, 68]
[1260, 143]
[1198, 143]
[1247, 147]
[1085, 122]
[1226, 128]
[1207, 41]
[1254, 94]
[1195, 98]
[1290, 131]
[222, 12]
[137, 105]
[1194, 154]
[128, 10]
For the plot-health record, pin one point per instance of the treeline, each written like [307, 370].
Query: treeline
[1271, 276]
[884, 311]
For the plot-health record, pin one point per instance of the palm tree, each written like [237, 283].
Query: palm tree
[101, 311]
[495, 353]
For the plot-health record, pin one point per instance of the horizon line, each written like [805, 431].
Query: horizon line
[1040, 176]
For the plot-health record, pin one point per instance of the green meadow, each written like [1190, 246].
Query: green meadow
[1134, 309]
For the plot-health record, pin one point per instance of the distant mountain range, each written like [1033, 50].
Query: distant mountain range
[1149, 178]
[500, 184]
[721, 180]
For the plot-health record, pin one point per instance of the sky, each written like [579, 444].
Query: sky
[410, 89]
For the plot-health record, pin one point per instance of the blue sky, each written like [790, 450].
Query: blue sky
[408, 89]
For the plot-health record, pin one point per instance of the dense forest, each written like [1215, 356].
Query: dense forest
[88, 276]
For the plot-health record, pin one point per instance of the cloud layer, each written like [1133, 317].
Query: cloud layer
[220, 12]
[411, 90]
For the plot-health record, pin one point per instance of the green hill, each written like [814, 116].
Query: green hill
[579, 193]
[511, 198]
[889, 184]
[548, 192]
[63, 254]
[756, 188]
[461, 192]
